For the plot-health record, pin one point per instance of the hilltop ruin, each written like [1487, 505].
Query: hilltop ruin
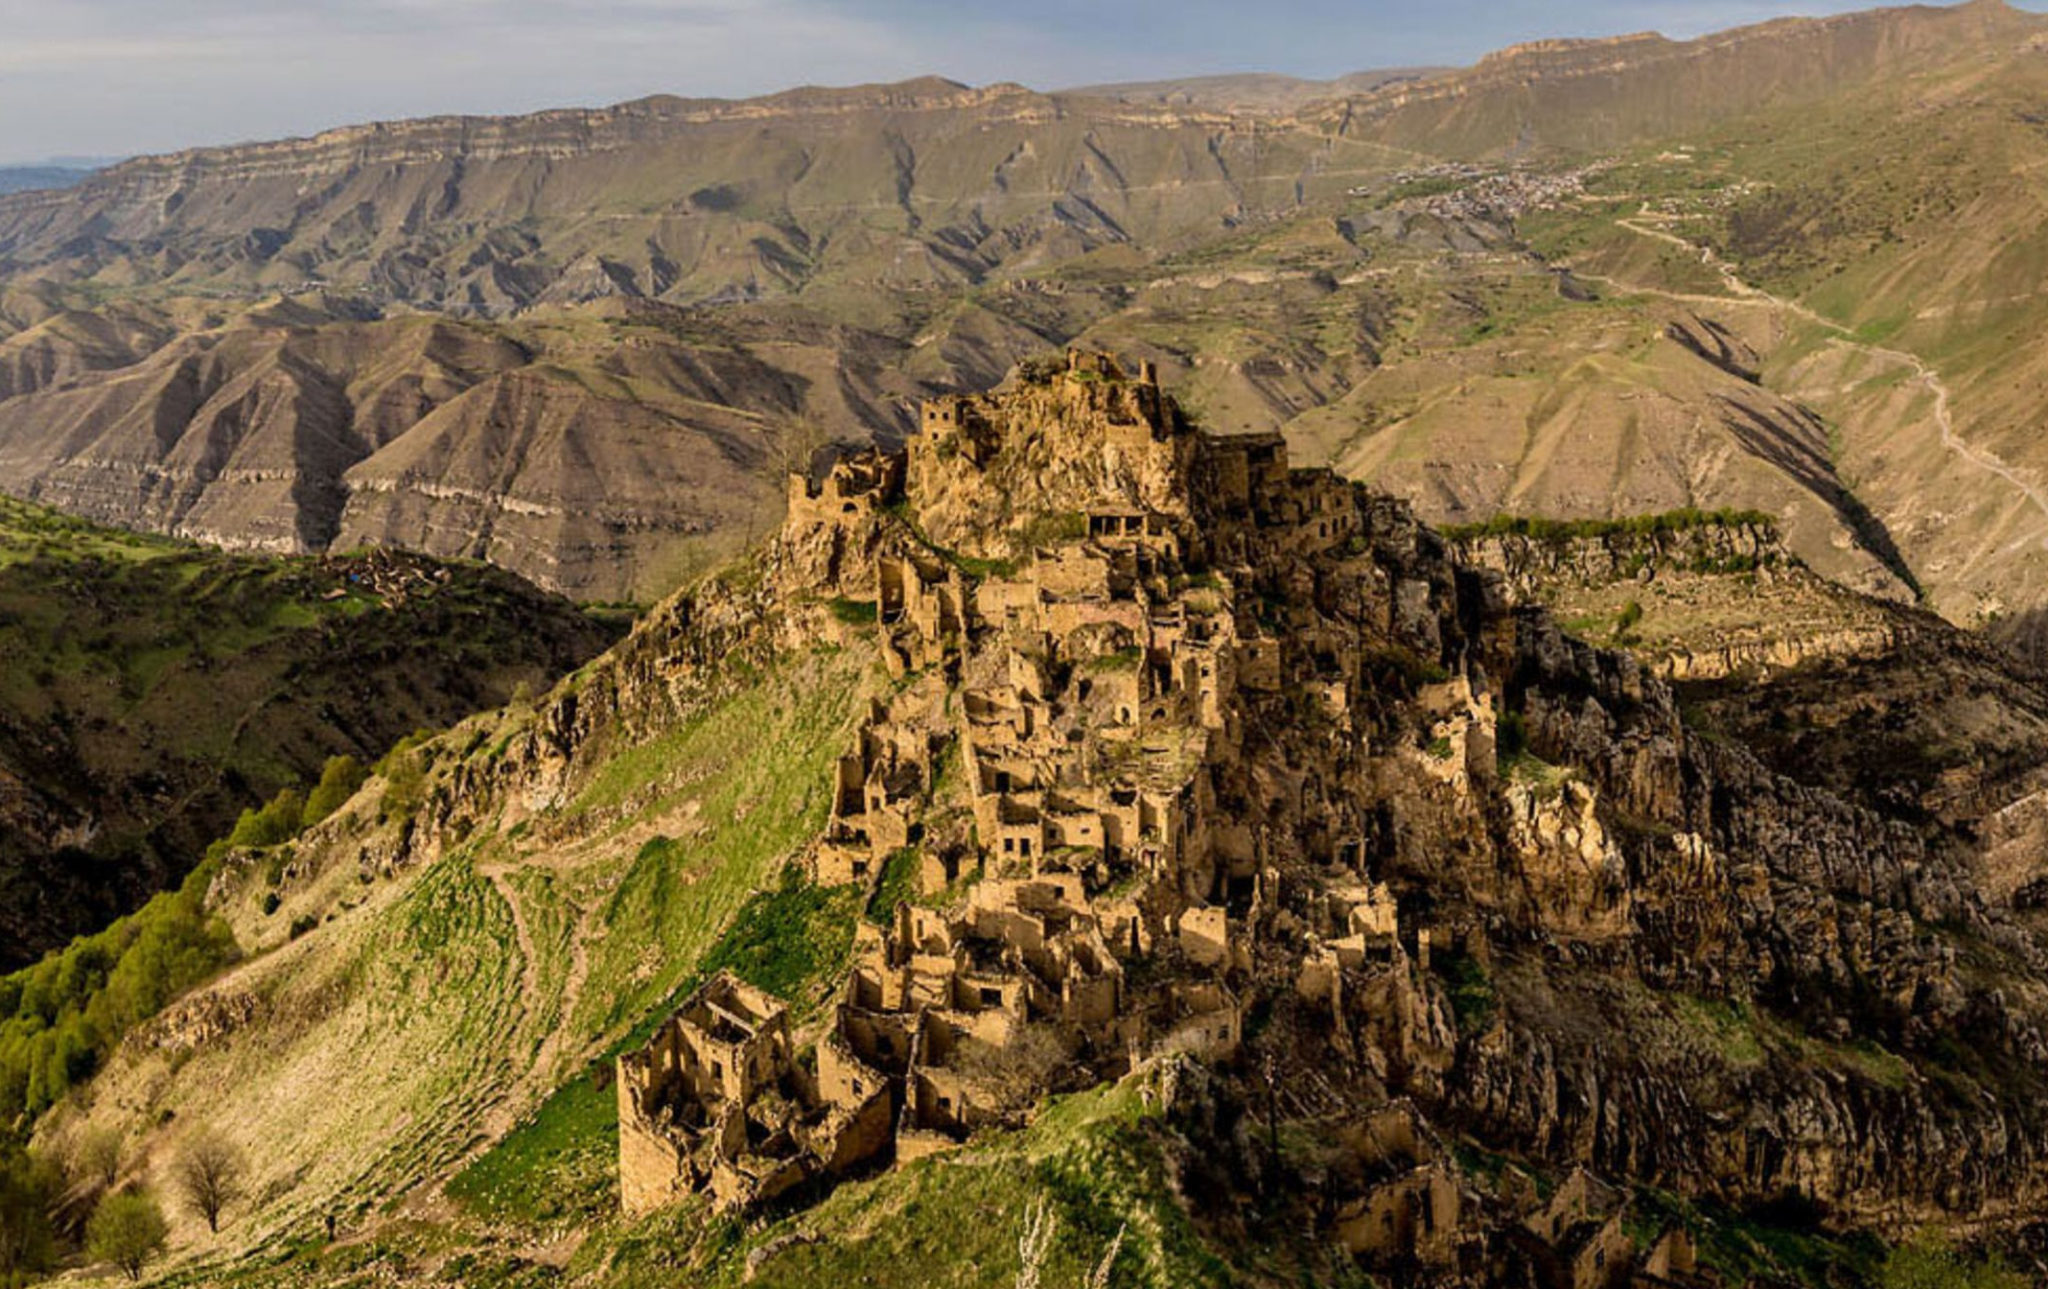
[1062, 576]
[1185, 743]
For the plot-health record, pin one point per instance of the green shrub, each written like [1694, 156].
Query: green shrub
[1929, 1263]
[1471, 990]
[1399, 667]
[405, 785]
[1511, 736]
[1051, 530]
[1668, 521]
[1626, 620]
[339, 780]
[28, 1187]
[60, 1018]
[898, 884]
[405, 747]
[273, 825]
[127, 1230]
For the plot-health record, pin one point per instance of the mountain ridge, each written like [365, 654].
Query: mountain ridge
[1677, 85]
[854, 249]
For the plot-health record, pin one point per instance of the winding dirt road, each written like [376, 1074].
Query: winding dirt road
[1643, 224]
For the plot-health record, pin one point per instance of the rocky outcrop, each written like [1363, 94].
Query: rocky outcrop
[1697, 596]
[1477, 875]
[1226, 779]
[1542, 557]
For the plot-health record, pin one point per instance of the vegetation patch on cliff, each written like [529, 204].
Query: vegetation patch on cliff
[1538, 528]
[60, 1018]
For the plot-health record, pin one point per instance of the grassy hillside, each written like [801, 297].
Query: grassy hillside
[155, 689]
[406, 1015]
[415, 1040]
[425, 1061]
[1876, 252]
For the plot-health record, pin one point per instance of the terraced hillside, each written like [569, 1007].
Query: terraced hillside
[154, 689]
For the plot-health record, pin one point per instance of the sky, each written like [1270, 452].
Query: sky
[110, 78]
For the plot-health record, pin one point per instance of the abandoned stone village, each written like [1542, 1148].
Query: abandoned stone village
[1126, 764]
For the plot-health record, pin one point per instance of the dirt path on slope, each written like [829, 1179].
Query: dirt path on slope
[1643, 224]
[501, 1117]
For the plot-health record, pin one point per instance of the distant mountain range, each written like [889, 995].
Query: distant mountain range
[584, 343]
[1255, 91]
[52, 175]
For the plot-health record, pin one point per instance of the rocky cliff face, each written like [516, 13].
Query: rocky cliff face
[1448, 873]
[1883, 704]
[1541, 92]
[1698, 597]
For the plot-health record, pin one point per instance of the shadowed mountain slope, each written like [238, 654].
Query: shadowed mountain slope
[153, 690]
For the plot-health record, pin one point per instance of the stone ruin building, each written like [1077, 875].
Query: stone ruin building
[716, 1101]
[1074, 591]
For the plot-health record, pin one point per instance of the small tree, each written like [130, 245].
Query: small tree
[127, 1230]
[209, 1177]
[1626, 620]
[96, 1159]
[339, 780]
[1011, 1078]
[276, 823]
[405, 785]
[27, 1189]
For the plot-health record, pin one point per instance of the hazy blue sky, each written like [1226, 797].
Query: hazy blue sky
[112, 77]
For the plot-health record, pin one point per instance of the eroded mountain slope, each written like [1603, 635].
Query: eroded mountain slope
[837, 251]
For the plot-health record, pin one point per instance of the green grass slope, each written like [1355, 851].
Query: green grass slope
[154, 689]
[415, 992]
